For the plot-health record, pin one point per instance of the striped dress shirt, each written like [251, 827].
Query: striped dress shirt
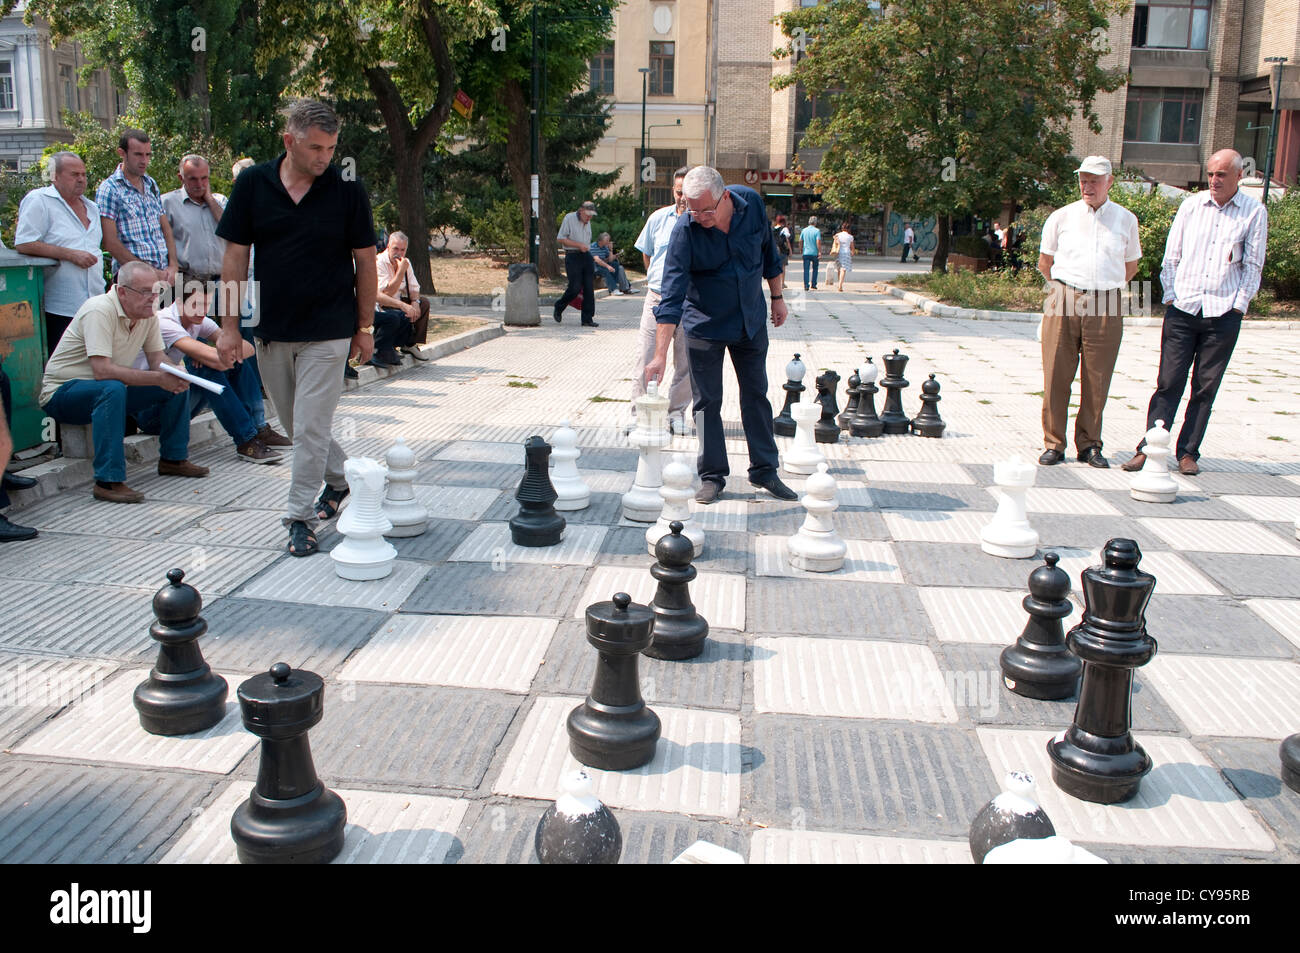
[1214, 255]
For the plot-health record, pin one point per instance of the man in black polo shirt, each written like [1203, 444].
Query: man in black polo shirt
[315, 280]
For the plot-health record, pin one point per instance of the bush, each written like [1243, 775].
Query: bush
[499, 231]
[1155, 213]
[972, 246]
[1282, 260]
[620, 215]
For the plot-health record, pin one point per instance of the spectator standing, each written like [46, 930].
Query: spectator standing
[811, 237]
[909, 239]
[579, 266]
[131, 212]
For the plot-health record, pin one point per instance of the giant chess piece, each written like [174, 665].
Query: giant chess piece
[1009, 534]
[854, 392]
[677, 491]
[893, 418]
[291, 817]
[364, 553]
[577, 828]
[827, 430]
[1012, 815]
[571, 491]
[783, 423]
[536, 523]
[817, 547]
[865, 423]
[679, 631]
[1290, 755]
[1096, 758]
[401, 508]
[181, 694]
[613, 729]
[1039, 665]
[803, 456]
[1153, 484]
[642, 503]
[928, 423]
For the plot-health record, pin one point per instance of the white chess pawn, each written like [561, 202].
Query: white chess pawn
[817, 547]
[403, 510]
[572, 492]
[1009, 534]
[677, 491]
[1153, 484]
[364, 553]
[642, 503]
[803, 456]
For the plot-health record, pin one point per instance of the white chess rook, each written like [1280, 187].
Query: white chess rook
[817, 547]
[402, 509]
[1153, 483]
[803, 456]
[572, 493]
[642, 503]
[364, 553]
[677, 491]
[1009, 534]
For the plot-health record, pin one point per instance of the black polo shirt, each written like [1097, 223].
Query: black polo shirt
[303, 263]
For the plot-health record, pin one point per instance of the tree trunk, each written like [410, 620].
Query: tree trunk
[411, 212]
[944, 226]
[518, 159]
[198, 92]
[548, 257]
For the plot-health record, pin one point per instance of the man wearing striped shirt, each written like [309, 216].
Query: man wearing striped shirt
[1213, 260]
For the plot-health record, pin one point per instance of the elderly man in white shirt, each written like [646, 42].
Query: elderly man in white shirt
[1089, 252]
[59, 222]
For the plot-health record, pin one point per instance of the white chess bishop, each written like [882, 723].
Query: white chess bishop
[572, 492]
[403, 510]
[1153, 483]
[642, 503]
[677, 491]
[803, 457]
[364, 553]
[817, 547]
[1009, 534]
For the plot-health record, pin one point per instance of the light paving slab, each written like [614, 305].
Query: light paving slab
[491, 543]
[1237, 698]
[885, 471]
[484, 452]
[313, 581]
[1220, 536]
[775, 846]
[255, 529]
[35, 687]
[982, 616]
[1183, 802]
[930, 526]
[724, 516]
[1273, 509]
[456, 502]
[719, 597]
[695, 770]
[148, 520]
[865, 561]
[1117, 479]
[1281, 614]
[1050, 499]
[1174, 574]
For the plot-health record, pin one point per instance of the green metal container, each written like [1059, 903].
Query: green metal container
[22, 342]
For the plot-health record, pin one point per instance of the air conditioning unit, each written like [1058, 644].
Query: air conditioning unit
[751, 160]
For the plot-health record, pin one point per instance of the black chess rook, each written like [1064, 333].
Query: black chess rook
[928, 423]
[182, 694]
[893, 418]
[1038, 664]
[783, 424]
[827, 430]
[536, 523]
[679, 631]
[865, 423]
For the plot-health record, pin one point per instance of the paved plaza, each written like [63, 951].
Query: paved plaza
[858, 716]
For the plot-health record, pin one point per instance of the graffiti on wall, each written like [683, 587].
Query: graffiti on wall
[926, 237]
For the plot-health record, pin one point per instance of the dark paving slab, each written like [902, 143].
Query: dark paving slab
[462, 588]
[1195, 506]
[1068, 531]
[608, 458]
[1244, 484]
[862, 610]
[1242, 575]
[908, 496]
[1063, 476]
[249, 635]
[1254, 769]
[438, 541]
[470, 473]
[1212, 625]
[961, 564]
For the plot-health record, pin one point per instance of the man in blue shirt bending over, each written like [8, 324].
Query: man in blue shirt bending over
[719, 254]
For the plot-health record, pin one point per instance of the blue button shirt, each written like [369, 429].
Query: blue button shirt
[713, 280]
[653, 243]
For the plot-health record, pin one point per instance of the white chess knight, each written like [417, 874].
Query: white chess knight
[1153, 483]
[642, 503]
[817, 547]
[1009, 534]
[403, 510]
[677, 491]
[364, 553]
[803, 457]
[572, 493]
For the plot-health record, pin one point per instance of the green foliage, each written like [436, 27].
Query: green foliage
[13, 186]
[986, 291]
[1282, 261]
[620, 215]
[972, 246]
[497, 231]
[1155, 213]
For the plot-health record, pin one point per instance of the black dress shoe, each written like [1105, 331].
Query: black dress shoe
[557, 312]
[12, 532]
[708, 492]
[590, 324]
[1050, 458]
[12, 481]
[778, 489]
[1092, 456]
[390, 357]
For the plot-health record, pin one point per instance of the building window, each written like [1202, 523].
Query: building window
[602, 71]
[1163, 115]
[661, 69]
[9, 165]
[1251, 138]
[1171, 24]
[96, 102]
[119, 102]
[667, 161]
[6, 84]
[69, 87]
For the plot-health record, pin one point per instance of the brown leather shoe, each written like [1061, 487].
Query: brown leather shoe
[1136, 463]
[181, 468]
[117, 493]
[272, 439]
[256, 452]
[1187, 467]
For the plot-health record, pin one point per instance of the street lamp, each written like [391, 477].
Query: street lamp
[1277, 62]
[640, 183]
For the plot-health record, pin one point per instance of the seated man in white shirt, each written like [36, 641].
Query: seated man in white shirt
[184, 326]
[401, 313]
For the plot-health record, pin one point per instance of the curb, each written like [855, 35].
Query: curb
[486, 301]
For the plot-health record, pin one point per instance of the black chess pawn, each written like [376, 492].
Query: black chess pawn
[865, 423]
[1096, 758]
[1012, 815]
[783, 424]
[679, 631]
[613, 729]
[577, 828]
[536, 523]
[1290, 754]
[182, 695]
[291, 817]
[895, 421]
[827, 430]
[1039, 665]
[928, 423]
[851, 405]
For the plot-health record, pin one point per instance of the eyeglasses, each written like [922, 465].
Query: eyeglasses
[709, 211]
[148, 293]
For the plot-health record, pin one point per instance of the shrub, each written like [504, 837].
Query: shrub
[499, 231]
[972, 246]
[1282, 260]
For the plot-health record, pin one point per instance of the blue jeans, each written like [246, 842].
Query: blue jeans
[105, 404]
[810, 261]
[231, 406]
[256, 408]
[615, 280]
[749, 358]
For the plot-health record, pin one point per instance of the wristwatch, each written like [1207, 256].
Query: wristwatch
[778, 297]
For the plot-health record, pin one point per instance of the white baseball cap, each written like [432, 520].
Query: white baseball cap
[1096, 165]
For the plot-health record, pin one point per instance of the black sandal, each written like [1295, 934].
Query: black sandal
[327, 507]
[302, 541]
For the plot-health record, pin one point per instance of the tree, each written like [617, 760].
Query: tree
[947, 107]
